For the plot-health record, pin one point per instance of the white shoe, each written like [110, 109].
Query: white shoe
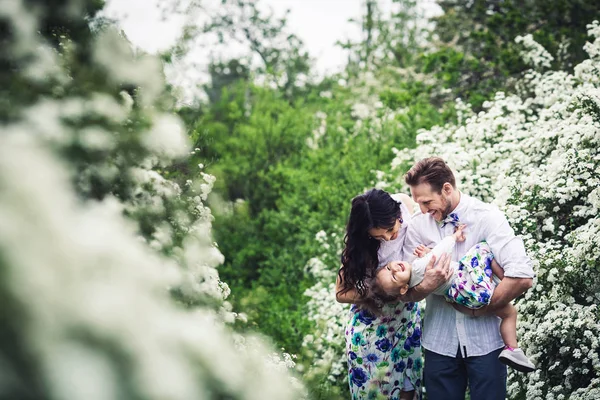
[516, 359]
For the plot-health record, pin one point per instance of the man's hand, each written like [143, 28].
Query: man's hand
[421, 250]
[436, 274]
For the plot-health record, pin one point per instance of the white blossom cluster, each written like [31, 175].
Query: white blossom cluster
[536, 154]
[313, 141]
[366, 107]
[325, 346]
[535, 54]
[89, 275]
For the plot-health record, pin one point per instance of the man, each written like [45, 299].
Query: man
[462, 348]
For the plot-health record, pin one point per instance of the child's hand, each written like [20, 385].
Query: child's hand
[421, 250]
[459, 233]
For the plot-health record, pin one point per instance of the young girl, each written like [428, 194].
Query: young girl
[471, 286]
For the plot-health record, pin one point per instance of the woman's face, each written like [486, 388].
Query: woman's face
[386, 233]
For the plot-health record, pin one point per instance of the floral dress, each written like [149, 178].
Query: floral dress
[473, 285]
[384, 353]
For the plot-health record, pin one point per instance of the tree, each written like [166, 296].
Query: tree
[477, 54]
[393, 40]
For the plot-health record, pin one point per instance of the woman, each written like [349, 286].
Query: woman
[384, 351]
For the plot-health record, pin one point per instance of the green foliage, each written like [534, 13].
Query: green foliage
[288, 153]
[247, 132]
[291, 190]
[478, 56]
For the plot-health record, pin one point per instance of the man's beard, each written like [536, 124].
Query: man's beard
[447, 208]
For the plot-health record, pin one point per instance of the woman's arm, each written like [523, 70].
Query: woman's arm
[351, 296]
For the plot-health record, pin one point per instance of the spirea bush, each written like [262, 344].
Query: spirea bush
[108, 283]
[536, 154]
[326, 345]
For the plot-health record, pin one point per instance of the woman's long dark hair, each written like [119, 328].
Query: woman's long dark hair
[374, 209]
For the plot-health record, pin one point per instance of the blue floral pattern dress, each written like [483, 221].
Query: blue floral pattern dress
[473, 284]
[384, 353]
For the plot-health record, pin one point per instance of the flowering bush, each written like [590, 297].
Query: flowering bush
[536, 154]
[107, 265]
[326, 344]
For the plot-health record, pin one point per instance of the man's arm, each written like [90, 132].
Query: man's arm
[507, 290]
[509, 252]
[411, 241]
[436, 273]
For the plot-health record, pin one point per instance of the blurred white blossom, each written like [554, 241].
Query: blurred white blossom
[108, 267]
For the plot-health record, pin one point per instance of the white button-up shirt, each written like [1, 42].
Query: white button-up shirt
[444, 328]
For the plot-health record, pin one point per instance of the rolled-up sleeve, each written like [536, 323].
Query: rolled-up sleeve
[508, 249]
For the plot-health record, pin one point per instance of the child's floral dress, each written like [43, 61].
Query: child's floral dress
[473, 285]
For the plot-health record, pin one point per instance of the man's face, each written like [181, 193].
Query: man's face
[438, 205]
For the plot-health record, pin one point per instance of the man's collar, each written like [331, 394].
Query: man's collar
[462, 205]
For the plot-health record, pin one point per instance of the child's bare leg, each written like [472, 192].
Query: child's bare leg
[497, 269]
[513, 357]
[508, 326]
[508, 313]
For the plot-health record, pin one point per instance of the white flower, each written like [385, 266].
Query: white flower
[535, 54]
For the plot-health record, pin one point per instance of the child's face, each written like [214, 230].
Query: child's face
[394, 277]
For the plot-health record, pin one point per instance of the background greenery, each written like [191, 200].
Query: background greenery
[254, 139]
[288, 150]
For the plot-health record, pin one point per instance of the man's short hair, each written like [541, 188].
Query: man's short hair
[432, 170]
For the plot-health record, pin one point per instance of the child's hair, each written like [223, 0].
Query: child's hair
[375, 298]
